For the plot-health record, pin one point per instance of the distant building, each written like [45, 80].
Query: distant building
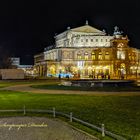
[15, 61]
[88, 52]
[28, 69]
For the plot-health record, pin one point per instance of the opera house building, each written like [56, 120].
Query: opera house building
[86, 52]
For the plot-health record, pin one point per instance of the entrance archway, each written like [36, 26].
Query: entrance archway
[52, 70]
[122, 70]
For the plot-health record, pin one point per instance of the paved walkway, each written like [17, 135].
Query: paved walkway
[27, 88]
[39, 128]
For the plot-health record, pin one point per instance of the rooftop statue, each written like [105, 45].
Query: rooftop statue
[117, 31]
[86, 22]
[104, 31]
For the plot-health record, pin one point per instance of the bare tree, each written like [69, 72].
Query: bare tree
[5, 60]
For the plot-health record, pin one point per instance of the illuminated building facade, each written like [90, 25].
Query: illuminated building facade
[88, 52]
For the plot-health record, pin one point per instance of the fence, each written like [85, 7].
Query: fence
[70, 117]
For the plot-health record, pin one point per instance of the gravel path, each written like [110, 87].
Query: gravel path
[27, 88]
[55, 129]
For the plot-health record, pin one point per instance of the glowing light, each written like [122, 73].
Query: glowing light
[89, 67]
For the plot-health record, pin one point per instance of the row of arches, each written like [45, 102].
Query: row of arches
[93, 55]
[88, 71]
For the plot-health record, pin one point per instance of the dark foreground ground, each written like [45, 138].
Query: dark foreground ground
[119, 111]
[35, 128]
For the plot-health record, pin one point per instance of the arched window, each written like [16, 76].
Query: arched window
[133, 56]
[100, 56]
[79, 56]
[107, 55]
[121, 54]
[93, 55]
[130, 56]
[86, 56]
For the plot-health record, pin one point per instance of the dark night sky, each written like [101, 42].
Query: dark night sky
[27, 26]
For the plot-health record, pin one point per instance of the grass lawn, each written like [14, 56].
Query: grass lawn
[12, 83]
[6, 83]
[120, 114]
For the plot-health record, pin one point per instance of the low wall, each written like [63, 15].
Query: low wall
[6, 74]
[102, 83]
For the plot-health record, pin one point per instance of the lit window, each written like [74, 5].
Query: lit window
[107, 55]
[121, 55]
[86, 56]
[79, 56]
[133, 56]
[100, 56]
[76, 41]
[93, 55]
[130, 57]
